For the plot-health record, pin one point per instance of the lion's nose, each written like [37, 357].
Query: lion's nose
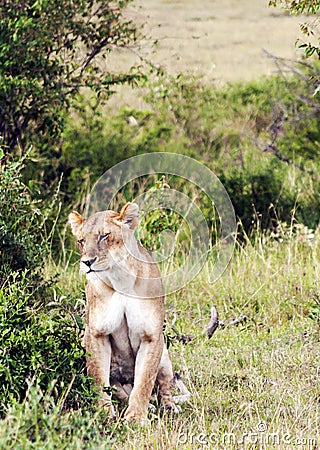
[89, 262]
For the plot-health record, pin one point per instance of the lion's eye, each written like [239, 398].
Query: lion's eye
[80, 242]
[103, 237]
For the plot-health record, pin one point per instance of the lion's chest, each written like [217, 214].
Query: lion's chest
[121, 317]
[107, 314]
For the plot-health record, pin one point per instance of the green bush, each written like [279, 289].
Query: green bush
[261, 138]
[40, 343]
[21, 244]
[93, 143]
[40, 340]
[42, 67]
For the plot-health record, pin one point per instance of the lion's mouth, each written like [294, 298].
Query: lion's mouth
[96, 270]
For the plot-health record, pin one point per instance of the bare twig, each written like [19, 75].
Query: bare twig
[213, 322]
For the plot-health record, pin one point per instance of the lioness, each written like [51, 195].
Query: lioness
[125, 312]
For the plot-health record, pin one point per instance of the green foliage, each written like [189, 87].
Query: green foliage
[40, 422]
[40, 343]
[41, 332]
[22, 234]
[256, 137]
[299, 6]
[48, 51]
[163, 230]
[93, 143]
[307, 28]
[89, 147]
[314, 308]
[260, 138]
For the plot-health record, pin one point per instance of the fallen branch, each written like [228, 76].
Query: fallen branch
[215, 323]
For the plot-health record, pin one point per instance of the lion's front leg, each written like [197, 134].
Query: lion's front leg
[98, 348]
[165, 382]
[146, 368]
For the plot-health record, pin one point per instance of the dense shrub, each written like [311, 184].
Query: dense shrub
[261, 139]
[48, 53]
[40, 340]
[40, 344]
[93, 143]
[21, 243]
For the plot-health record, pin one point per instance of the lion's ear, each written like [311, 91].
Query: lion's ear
[129, 215]
[75, 221]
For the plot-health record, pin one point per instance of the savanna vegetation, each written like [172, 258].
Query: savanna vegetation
[255, 383]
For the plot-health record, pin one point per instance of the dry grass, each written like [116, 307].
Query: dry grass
[220, 41]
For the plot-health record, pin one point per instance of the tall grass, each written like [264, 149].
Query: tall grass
[253, 385]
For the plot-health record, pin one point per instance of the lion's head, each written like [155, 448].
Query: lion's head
[107, 243]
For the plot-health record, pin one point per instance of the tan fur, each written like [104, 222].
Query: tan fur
[125, 312]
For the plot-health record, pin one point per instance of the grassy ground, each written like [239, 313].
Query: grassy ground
[253, 385]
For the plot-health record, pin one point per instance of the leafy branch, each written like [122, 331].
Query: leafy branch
[50, 50]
